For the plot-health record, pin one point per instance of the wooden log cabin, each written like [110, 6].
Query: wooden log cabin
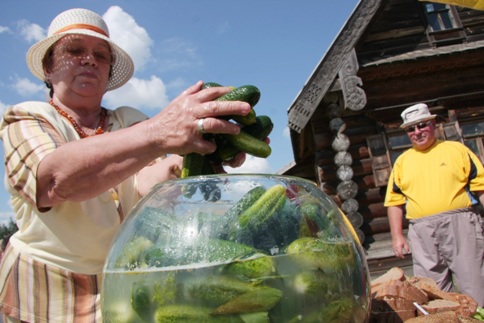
[344, 123]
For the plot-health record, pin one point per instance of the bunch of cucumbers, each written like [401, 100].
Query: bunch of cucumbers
[254, 129]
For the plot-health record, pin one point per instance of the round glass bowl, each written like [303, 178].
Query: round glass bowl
[236, 248]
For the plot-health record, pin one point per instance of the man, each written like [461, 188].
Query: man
[435, 183]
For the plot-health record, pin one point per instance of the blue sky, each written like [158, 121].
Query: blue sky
[274, 45]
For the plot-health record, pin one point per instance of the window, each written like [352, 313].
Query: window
[473, 133]
[439, 16]
[380, 160]
[444, 26]
[398, 142]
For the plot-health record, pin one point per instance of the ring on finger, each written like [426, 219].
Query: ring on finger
[200, 127]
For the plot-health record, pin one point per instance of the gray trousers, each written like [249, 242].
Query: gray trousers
[449, 248]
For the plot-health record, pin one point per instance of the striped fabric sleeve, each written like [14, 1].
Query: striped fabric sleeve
[27, 139]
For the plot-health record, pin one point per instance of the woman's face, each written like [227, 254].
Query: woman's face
[80, 64]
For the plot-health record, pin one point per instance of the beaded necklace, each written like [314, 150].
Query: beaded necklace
[82, 134]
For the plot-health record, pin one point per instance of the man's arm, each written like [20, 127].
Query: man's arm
[395, 218]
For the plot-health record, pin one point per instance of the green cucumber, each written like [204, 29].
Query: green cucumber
[222, 250]
[261, 128]
[208, 85]
[247, 120]
[315, 286]
[132, 255]
[245, 202]
[314, 253]
[191, 313]
[311, 219]
[246, 93]
[257, 266]
[192, 165]
[264, 208]
[211, 251]
[227, 152]
[141, 300]
[214, 290]
[250, 144]
[259, 300]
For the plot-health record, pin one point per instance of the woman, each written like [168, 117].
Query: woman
[74, 168]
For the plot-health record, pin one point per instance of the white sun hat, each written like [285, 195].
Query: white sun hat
[83, 22]
[415, 114]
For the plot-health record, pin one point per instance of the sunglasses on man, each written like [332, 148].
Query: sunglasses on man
[420, 126]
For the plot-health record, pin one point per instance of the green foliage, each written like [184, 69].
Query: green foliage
[6, 230]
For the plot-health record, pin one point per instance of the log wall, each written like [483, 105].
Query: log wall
[370, 198]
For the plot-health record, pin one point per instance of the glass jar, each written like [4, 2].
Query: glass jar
[236, 248]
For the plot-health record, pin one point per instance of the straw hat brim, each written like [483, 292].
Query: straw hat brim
[122, 69]
[404, 125]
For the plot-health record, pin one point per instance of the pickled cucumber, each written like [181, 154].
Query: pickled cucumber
[164, 290]
[141, 299]
[213, 250]
[215, 290]
[270, 202]
[132, 256]
[259, 317]
[258, 266]
[189, 314]
[262, 299]
[245, 202]
[315, 286]
[315, 253]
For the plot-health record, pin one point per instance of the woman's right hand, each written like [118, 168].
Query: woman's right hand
[175, 129]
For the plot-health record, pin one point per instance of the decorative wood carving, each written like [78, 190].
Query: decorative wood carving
[311, 95]
[354, 96]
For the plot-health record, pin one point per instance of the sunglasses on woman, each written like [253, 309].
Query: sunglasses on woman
[420, 126]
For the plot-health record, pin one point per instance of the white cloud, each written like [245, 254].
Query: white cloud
[252, 165]
[286, 132]
[127, 34]
[31, 32]
[138, 93]
[4, 29]
[26, 88]
[176, 54]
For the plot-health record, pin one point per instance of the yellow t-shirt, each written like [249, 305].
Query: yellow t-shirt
[75, 236]
[435, 180]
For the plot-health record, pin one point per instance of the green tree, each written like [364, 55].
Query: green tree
[6, 230]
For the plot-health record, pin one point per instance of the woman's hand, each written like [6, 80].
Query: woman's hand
[163, 170]
[176, 129]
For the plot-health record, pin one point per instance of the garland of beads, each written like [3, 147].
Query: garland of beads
[82, 134]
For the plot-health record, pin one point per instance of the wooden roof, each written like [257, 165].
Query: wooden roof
[325, 73]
